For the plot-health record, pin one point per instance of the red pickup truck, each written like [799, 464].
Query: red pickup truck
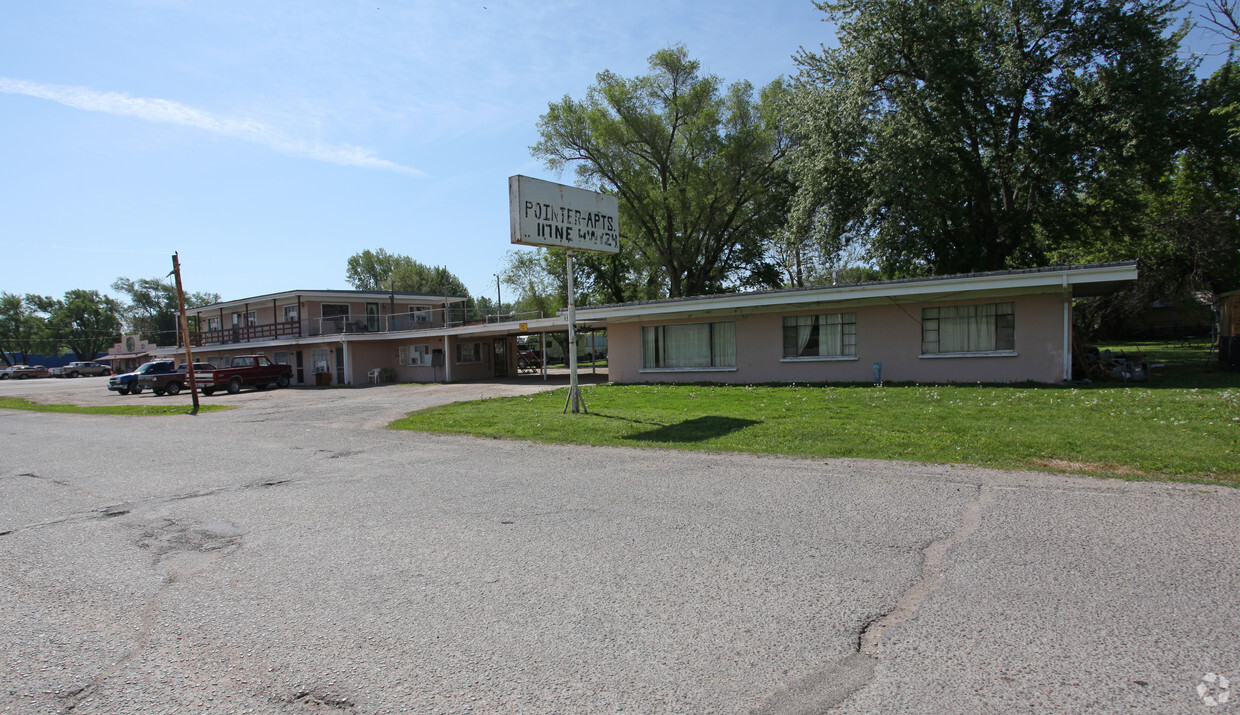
[244, 371]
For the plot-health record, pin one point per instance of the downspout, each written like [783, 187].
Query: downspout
[447, 358]
[348, 369]
[1067, 330]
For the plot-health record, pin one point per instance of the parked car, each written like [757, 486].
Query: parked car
[244, 371]
[4, 374]
[74, 369]
[129, 383]
[22, 372]
[170, 383]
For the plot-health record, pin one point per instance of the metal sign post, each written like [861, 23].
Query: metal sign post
[574, 391]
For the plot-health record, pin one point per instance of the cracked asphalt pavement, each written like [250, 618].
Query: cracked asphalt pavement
[293, 556]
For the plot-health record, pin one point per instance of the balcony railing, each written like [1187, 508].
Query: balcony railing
[345, 325]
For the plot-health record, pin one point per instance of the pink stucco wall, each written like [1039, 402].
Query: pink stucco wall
[888, 334]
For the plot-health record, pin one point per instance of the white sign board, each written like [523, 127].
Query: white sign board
[548, 214]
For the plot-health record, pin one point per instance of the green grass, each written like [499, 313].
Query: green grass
[17, 403]
[1182, 425]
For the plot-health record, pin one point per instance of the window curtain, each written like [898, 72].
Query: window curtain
[688, 345]
[831, 335]
[953, 329]
[982, 327]
[805, 329]
[650, 346]
[723, 344]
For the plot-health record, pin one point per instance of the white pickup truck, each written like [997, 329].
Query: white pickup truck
[74, 369]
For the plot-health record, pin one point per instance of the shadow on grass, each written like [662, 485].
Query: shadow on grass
[699, 429]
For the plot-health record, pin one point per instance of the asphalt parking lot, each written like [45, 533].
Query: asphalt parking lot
[294, 556]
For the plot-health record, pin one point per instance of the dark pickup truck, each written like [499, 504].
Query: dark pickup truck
[170, 383]
[131, 382]
[244, 371]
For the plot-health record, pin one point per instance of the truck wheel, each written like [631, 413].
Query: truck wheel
[282, 381]
[122, 391]
[174, 388]
[208, 391]
[73, 374]
[234, 386]
[23, 377]
[157, 391]
[135, 390]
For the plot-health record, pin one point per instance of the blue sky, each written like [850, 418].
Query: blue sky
[268, 141]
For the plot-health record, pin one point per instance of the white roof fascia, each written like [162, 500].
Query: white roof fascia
[929, 289]
[290, 298]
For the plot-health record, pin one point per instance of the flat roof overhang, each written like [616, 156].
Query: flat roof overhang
[1079, 281]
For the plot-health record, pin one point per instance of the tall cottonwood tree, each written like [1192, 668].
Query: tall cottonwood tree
[85, 321]
[380, 270]
[23, 327]
[962, 135]
[694, 165]
[153, 311]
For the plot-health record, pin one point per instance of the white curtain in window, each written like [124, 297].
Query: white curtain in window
[723, 344]
[805, 328]
[688, 345]
[953, 330]
[982, 327]
[830, 336]
[649, 344]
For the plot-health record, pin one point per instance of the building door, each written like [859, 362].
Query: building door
[501, 357]
[340, 365]
[301, 369]
[372, 317]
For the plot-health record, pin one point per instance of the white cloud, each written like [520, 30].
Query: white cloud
[168, 112]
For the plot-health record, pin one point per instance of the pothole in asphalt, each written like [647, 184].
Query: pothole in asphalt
[315, 700]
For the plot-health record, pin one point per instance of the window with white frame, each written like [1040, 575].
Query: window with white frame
[468, 352]
[213, 323]
[415, 355]
[964, 329]
[421, 313]
[689, 346]
[828, 335]
[290, 314]
[319, 359]
[280, 357]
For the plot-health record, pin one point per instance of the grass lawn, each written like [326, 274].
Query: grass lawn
[17, 403]
[1182, 425]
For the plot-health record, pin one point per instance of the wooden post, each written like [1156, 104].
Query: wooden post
[189, 351]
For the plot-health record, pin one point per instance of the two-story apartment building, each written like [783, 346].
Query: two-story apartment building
[338, 337]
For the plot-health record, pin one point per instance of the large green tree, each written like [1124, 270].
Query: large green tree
[152, 311]
[23, 327]
[85, 321]
[966, 134]
[1184, 228]
[694, 165]
[380, 270]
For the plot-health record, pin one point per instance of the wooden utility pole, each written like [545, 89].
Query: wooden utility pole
[189, 351]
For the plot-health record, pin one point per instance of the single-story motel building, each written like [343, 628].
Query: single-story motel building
[1002, 326]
